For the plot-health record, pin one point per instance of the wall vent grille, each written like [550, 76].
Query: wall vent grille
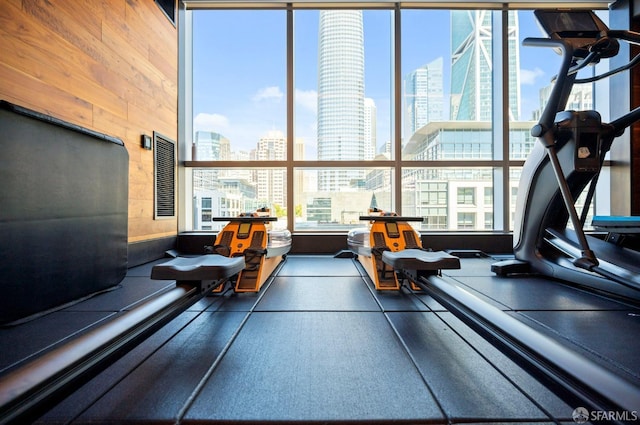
[165, 176]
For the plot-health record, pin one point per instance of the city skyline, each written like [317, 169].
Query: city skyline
[342, 76]
[211, 114]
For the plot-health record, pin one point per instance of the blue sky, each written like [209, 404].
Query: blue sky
[240, 65]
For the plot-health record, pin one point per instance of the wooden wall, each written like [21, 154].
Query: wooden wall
[107, 65]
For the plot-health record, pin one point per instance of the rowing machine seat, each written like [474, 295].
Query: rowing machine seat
[203, 267]
[417, 259]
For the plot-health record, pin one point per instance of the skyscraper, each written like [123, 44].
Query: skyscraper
[514, 66]
[207, 148]
[471, 65]
[272, 183]
[341, 120]
[208, 145]
[423, 96]
[370, 133]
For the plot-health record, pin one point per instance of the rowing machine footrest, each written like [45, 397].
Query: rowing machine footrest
[203, 267]
[220, 249]
[417, 259]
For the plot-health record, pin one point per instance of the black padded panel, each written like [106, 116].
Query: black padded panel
[64, 196]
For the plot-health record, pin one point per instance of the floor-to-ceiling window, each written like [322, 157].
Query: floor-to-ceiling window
[343, 98]
[530, 88]
[448, 137]
[239, 117]
[322, 113]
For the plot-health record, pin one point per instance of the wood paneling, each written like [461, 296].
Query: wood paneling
[108, 65]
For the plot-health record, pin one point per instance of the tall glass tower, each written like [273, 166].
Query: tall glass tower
[471, 65]
[341, 110]
[423, 96]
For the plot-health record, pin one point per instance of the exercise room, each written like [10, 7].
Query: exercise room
[219, 212]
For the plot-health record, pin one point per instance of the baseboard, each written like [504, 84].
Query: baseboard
[145, 251]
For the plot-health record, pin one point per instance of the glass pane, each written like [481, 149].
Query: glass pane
[317, 209]
[447, 80]
[449, 198]
[232, 191]
[533, 83]
[514, 181]
[342, 97]
[600, 204]
[239, 82]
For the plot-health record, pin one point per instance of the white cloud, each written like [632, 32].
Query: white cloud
[268, 93]
[529, 76]
[308, 99]
[211, 122]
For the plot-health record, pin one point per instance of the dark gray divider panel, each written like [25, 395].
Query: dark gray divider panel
[63, 212]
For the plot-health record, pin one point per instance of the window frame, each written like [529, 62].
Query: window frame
[501, 164]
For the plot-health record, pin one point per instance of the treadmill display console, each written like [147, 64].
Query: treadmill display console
[580, 23]
[581, 28]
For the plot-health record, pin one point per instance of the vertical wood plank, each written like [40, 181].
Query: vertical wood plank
[108, 65]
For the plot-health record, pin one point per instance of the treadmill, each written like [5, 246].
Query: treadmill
[549, 237]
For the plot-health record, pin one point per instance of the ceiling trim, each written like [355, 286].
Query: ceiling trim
[382, 4]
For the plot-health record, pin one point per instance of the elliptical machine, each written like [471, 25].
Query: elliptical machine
[569, 157]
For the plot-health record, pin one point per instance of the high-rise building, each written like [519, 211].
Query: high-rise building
[208, 145]
[370, 134]
[341, 120]
[464, 198]
[580, 99]
[513, 57]
[207, 148]
[471, 65]
[272, 183]
[423, 96]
